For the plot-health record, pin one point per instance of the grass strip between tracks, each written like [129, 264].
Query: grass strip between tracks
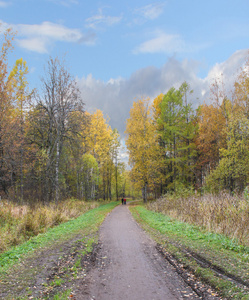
[214, 259]
[88, 223]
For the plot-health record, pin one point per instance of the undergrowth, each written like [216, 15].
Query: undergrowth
[88, 222]
[18, 223]
[224, 213]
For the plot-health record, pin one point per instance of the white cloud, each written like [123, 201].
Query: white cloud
[162, 43]
[4, 26]
[38, 37]
[100, 20]
[116, 96]
[230, 67]
[65, 2]
[34, 44]
[151, 11]
[4, 4]
[51, 31]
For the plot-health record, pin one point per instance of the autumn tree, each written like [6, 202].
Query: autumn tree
[241, 91]
[115, 145]
[141, 141]
[93, 168]
[188, 135]
[212, 122]
[72, 154]
[160, 146]
[59, 99]
[232, 172]
[20, 95]
[53, 147]
[211, 137]
[6, 110]
[127, 185]
[89, 177]
[98, 143]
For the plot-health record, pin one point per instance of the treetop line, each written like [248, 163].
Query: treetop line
[51, 148]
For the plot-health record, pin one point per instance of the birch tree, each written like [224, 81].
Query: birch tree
[60, 97]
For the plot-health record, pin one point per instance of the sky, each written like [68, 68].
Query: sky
[121, 51]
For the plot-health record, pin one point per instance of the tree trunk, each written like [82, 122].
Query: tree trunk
[57, 172]
[116, 177]
[21, 171]
[144, 192]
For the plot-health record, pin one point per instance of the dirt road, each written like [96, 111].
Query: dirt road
[129, 266]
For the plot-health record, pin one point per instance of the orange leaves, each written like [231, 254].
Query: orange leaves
[211, 135]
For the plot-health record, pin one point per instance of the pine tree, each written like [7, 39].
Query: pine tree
[177, 131]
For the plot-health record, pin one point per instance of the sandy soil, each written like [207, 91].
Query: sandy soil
[128, 266]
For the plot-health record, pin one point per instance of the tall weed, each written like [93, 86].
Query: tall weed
[19, 223]
[223, 213]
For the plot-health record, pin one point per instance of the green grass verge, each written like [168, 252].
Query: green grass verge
[176, 237]
[62, 295]
[89, 222]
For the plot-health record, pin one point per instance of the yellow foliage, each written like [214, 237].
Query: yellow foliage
[156, 106]
[142, 144]
[98, 137]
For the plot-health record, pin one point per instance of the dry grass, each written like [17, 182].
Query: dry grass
[19, 223]
[225, 214]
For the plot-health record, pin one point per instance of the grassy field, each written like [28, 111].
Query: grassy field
[217, 260]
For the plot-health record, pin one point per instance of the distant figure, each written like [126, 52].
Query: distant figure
[122, 201]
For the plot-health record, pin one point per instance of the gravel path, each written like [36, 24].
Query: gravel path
[129, 266]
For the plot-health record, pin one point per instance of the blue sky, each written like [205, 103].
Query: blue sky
[122, 50]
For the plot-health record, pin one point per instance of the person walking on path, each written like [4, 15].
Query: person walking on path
[122, 200]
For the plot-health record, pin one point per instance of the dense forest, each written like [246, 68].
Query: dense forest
[174, 147]
[51, 148]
